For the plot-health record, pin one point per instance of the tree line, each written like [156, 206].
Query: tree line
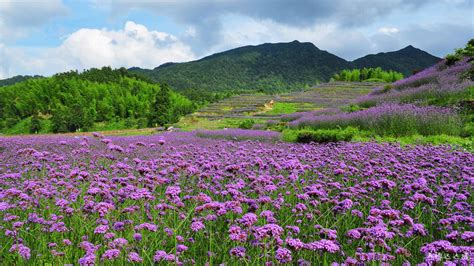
[368, 74]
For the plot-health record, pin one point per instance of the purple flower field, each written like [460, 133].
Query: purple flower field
[390, 119]
[437, 81]
[180, 199]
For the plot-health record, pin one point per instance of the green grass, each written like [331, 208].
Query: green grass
[455, 141]
[113, 125]
[193, 123]
[282, 108]
[23, 127]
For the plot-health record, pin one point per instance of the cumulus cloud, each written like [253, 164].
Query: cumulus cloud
[135, 45]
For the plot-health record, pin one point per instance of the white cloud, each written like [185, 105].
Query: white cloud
[134, 45]
[388, 30]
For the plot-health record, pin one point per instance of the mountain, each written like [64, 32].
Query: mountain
[274, 67]
[265, 67]
[16, 79]
[405, 60]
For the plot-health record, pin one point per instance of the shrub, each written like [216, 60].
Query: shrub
[326, 135]
[35, 124]
[351, 108]
[451, 59]
[247, 124]
[387, 88]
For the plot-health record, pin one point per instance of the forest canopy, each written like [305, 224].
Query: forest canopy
[74, 101]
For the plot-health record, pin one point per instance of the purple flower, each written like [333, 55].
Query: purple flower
[323, 245]
[283, 255]
[354, 233]
[161, 255]
[119, 226]
[134, 257]
[268, 230]
[101, 229]
[468, 236]
[296, 244]
[87, 260]
[173, 191]
[137, 236]
[238, 252]
[118, 243]
[248, 219]
[110, 254]
[23, 250]
[197, 226]
[181, 248]
[147, 226]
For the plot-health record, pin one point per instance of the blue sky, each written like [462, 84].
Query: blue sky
[46, 37]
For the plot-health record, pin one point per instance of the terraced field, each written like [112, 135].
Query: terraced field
[237, 106]
[327, 95]
[231, 111]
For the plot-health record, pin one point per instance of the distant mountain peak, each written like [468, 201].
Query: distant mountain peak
[410, 48]
[405, 60]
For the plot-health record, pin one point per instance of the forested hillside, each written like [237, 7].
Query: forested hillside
[265, 68]
[406, 61]
[15, 79]
[75, 101]
[276, 67]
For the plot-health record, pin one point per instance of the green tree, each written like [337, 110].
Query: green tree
[35, 124]
[58, 121]
[160, 109]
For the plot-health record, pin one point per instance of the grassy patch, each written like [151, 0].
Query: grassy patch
[466, 143]
[282, 108]
[193, 123]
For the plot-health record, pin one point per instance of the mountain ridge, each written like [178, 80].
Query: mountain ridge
[270, 67]
[277, 66]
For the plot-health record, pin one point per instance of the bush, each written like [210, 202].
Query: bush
[247, 124]
[35, 124]
[326, 135]
[351, 108]
[387, 88]
[451, 59]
